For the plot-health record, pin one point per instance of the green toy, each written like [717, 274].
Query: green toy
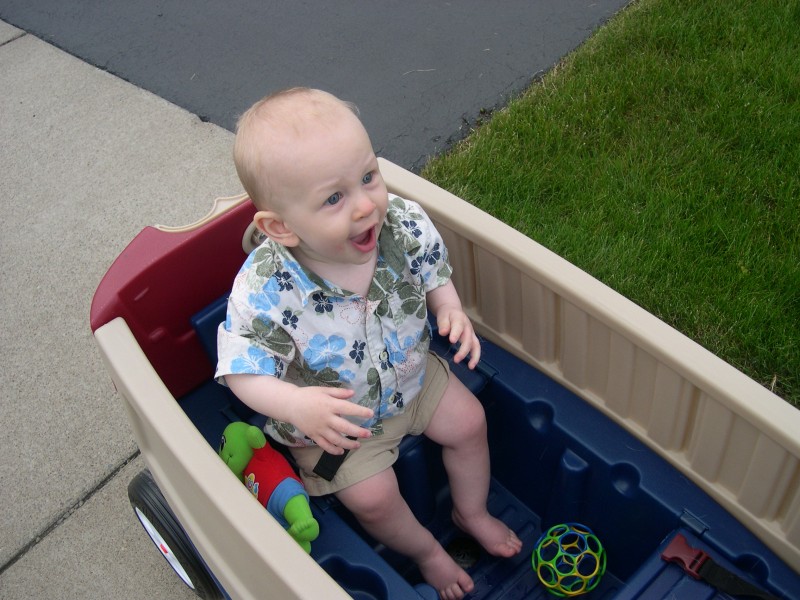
[569, 559]
[270, 478]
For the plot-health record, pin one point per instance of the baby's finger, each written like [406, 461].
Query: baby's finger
[351, 430]
[462, 353]
[456, 331]
[443, 323]
[340, 393]
[349, 409]
[346, 443]
[475, 353]
[331, 447]
[471, 347]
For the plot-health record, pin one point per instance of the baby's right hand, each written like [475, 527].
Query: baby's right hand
[319, 412]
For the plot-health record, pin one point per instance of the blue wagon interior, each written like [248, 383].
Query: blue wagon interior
[555, 459]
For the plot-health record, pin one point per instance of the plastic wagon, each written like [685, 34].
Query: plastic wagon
[624, 424]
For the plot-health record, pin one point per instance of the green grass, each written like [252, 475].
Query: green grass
[663, 157]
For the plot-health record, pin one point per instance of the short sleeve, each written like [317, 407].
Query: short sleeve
[251, 342]
[428, 260]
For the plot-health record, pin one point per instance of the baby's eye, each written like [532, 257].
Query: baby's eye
[333, 199]
[367, 178]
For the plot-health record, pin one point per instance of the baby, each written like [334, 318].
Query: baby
[326, 331]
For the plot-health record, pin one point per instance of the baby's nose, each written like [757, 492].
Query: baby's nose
[364, 207]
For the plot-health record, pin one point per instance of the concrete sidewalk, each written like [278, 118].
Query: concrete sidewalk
[87, 161]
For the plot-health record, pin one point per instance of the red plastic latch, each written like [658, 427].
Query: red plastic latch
[691, 559]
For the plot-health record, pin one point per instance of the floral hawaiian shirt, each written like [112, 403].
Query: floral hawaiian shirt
[285, 321]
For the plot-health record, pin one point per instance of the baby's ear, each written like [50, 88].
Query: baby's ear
[271, 225]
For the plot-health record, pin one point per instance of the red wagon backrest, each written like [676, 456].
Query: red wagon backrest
[164, 277]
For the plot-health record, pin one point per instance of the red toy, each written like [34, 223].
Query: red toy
[270, 478]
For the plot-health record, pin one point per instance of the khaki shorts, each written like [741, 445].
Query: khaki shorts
[381, 451]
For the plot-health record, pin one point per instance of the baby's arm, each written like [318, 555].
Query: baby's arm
[453, 322]
[318, 411]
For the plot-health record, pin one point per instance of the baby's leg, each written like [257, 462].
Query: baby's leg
[377, 504]
[459, 425]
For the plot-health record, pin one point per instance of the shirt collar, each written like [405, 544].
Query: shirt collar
[394, 242]
[308, 283]
[396, 239]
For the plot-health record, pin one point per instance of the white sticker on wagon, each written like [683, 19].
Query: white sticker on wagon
[164, 548]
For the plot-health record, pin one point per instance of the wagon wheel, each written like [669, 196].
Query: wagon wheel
[166, 533]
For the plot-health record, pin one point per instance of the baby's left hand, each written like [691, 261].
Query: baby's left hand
[455, 324]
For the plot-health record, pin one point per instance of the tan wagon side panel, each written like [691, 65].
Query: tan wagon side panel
[253, 557]
[730, 435]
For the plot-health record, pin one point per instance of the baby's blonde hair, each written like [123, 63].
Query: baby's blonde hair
[297, 110]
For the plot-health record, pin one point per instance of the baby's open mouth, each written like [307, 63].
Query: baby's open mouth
[366, 241]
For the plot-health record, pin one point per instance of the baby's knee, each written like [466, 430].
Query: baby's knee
[475, 420]
[369, 500]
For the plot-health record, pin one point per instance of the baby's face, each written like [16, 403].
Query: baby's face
[330, 193]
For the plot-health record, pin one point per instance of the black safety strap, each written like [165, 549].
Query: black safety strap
[328, 464]
[698, 564]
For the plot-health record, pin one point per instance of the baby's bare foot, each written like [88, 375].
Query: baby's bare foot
[491, 533]
[441, 571]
